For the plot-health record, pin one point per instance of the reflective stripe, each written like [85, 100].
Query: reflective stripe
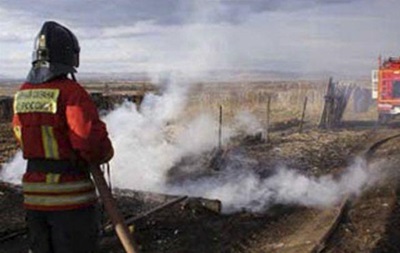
[68, 187]
[52, 178]
[49, 143]
[36, 100]
[62, 200]
[18, 134]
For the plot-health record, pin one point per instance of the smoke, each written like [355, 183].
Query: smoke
[12, 170]
[248, 123]
[150, 141]
[240, 188]
[289, 186]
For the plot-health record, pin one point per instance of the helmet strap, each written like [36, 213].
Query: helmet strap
[73, 76]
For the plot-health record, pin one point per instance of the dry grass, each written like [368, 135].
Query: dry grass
[287, 101]
[287, 98]
[8, 89]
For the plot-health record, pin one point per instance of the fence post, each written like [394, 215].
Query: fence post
[267, 128]
[220, 128]
[325, 116]
[303, 114]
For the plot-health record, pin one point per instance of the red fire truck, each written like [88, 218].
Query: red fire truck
[386, 88]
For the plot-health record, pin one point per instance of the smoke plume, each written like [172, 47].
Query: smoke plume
[240, 188]
[149, 141]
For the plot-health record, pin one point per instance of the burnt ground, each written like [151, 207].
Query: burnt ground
[371, 223]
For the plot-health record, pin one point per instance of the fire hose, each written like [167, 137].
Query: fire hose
[110, 205]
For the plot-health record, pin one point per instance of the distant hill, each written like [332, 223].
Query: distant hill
[3, 77]
[93, 76]
[215, 75]
[4, 80]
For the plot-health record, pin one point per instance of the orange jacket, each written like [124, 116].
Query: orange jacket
[57, 120]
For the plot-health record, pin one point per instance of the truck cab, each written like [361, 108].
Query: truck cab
[386, 88]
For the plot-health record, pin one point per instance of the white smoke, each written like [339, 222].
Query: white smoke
[166, 107]
[145, 151]
[289, 186]
[244, 189]
[13, 170]
[200, 135]
[248, 123]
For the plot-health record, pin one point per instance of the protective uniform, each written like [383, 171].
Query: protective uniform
[59, 131]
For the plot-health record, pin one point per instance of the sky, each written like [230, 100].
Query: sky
[197, 36]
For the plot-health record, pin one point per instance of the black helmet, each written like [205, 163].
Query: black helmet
[56, 53]
[56, 44]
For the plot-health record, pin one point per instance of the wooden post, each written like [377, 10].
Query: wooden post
[220, 128]
[324, 120]
[331, 104]
[303, 114]
[268, 118]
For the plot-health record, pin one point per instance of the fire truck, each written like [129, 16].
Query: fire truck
[386, 88]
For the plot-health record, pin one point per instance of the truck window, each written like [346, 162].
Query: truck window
[396, 88]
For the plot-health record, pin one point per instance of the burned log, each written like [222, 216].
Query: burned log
[167, 200]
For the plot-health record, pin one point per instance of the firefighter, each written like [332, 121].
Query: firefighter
[59, 131]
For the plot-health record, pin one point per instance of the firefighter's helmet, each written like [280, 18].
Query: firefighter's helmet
[56, 44]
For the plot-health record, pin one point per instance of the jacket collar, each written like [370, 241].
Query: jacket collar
[42, 72]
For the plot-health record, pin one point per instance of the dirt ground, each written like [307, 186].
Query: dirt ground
[372, 223]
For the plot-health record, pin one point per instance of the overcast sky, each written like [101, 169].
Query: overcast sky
[344, 36]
